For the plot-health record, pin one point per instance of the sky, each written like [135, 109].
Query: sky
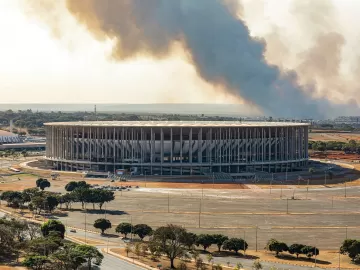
[35, 67]
[40, 64]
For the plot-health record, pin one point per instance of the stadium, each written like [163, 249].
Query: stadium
[176, 148]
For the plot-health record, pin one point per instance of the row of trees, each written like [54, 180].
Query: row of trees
[36, 199]
[203, 240]
[43, 247]
[297, 249]
[351, 146]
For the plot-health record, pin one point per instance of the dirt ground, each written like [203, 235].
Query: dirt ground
[335, 155]
[326, 259]
[333, 136]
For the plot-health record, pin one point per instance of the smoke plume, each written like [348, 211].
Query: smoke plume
[217, 41]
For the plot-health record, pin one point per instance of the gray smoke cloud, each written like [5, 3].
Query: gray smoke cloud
[218, 43]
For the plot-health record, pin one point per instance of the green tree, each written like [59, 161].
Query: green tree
[296, 249]
[71, 186]
[67, 257]
[219, 239]
[167, 240]
[142, 230]
[67, 199]
[90, 253]
[51, 202]
[53, 225]
[123, 228]
[274, 245]
[310, 251]
[102, 224]
[35, 262]
[42, 183]
[12, 198]
[82, 195]
[189, 239]
[43, 245]
[204, 240]
[351, 247]
[29, 193]
[235, 244]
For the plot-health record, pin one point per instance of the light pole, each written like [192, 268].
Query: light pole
[287, 205]
[271, 180]
[339, 258]
[346, 232]
[281, 193]
[200, 214]
[345, 188]
[256, 237]
[244, 245]
[85, 224]
[168, 202]
[325, 178]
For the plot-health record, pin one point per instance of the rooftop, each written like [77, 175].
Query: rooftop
[175, 124]
[4, 133]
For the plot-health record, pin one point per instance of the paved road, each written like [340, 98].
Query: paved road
[110, 263]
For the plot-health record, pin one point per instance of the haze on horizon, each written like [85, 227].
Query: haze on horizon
[48, 56]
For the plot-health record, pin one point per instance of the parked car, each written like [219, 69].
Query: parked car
[73, 230]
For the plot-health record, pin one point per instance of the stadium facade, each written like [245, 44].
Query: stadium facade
[177, 148]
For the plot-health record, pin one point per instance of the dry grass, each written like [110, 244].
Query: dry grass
[333, 136]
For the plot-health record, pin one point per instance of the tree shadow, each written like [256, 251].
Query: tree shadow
[98, 211]
[224, 253]
[110, 235]
[302, 259]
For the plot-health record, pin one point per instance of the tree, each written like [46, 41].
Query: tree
[205, 240]
[90, 253]
[35, 261]
[67, 257]
[33, 230]
[274, 245]
[168, 240]
[71, 186]
[51, 202]
[189, 239]
[142, 230]
[123, 228]
[67, 199]
[296, 249]
[102, 224]
[43, 245]
[12, 198]
[235, 244]
[310, 251]
[82, 195]
[42, 183]
[257, 265]
[53, 225]
[219, 239]
[29, 193]
[350, 247]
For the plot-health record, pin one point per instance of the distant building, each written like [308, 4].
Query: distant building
[8, 137]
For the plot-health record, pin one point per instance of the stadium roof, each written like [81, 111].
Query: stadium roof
[175, 124]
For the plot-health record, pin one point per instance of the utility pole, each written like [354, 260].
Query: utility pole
[287, 205]
[168, 202]
[200, 214]
[345, 189]
[256, 237]
[244, 244]
[85, 223]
